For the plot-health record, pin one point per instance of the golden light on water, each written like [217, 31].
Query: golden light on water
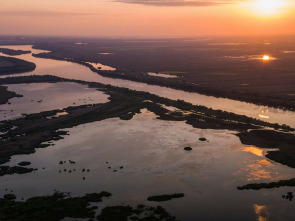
[264, 114]
[254, 150]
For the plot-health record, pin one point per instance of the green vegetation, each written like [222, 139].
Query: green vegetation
[165, 197]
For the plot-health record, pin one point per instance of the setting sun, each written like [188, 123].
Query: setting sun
[265, 58]
[269, 7]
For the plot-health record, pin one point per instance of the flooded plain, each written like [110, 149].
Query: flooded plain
[67, 69]
[145, 156]
[102, 67]
[152, 161]
[39, 97]
[162, 75]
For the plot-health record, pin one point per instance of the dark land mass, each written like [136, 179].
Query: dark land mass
[271, 139]
[13, 52]
[165, 197]
[9, 65]
[140, 213]
[256, 97]
[6, 95]
[229, 68]
[59, 205]
[33, 130]
[51, 208]
[7, 170]
[258, 186]
[24, 163]
[224, 67]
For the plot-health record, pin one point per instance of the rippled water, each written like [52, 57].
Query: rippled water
[71, 70]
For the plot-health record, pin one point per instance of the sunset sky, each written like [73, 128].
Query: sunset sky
[147, 18]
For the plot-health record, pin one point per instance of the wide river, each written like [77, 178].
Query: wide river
[145, 156]
[76, 71]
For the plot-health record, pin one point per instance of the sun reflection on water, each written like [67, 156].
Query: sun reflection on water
[264, 114]
[261, 212]
[254, 150]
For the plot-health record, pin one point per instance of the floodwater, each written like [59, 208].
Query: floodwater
[162, 75]
[144, 156]
[67, 69]
[40, 97]
[154, 163]
[102, 67]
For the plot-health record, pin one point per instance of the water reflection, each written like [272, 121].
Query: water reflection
[58, 115]
[162, 75]
[251, 57]
[261, 212]
[105, 53]
[288, 52]
[71, 70]
[158, 165]
[258, 172]
[254, 150]
[264, 113]
[256, 168]
[102, 67]
[40, 97]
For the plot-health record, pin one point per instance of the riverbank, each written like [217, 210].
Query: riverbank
[124, 103]
[15, 66]
[6, 95]
[258, 98]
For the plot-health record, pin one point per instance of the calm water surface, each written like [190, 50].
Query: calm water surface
[47, 96]
[75, 71]
[150, 151]
[154, 162]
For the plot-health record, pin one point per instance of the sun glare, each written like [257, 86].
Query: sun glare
[268, 7]
[265, 58]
